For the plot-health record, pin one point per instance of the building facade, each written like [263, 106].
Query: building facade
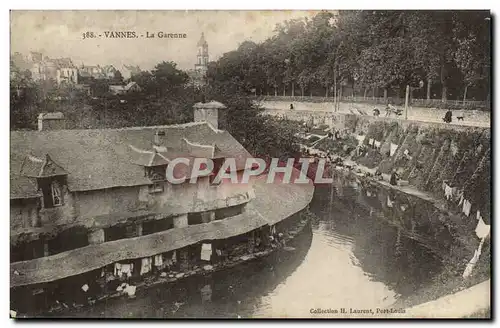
[93, 207]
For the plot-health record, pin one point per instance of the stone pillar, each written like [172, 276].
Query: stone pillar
[46, 249]
[181, 221]
[251, 242]
[183, 258]
[96, 237]
[138, 228]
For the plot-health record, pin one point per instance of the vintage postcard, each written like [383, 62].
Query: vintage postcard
[250, 164]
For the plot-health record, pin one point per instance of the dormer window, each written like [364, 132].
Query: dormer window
[156, 173]
[155, 164]
[156, 187]
[56, 194]
[51, 179]
[157, 178]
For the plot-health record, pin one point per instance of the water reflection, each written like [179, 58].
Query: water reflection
[346, 258]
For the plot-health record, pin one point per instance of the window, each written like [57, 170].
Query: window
[56, 194]
[149, 227]
[156, 187]
[227, 212]
[52, 192]
[194, 218]
[157, 173]
[115, 233]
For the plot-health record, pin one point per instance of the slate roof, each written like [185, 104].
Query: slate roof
[23, 187]
[35, 167]
[100, 159]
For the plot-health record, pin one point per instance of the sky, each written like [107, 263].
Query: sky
[59, 34]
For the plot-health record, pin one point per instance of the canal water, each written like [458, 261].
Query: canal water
[344, 259]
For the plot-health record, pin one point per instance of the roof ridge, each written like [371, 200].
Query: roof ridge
[197, 144]
[170, 126]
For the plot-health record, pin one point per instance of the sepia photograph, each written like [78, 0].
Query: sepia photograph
[250, 164]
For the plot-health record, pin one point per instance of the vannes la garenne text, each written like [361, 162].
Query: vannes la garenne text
[133, 35]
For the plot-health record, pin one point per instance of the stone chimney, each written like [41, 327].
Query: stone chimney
[211, 112]
[51, 121]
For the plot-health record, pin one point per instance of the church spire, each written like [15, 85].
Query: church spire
[202, 42]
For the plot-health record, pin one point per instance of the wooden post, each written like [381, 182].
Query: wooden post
[406, 101]
[429, 82]
[465, 94]
[340, 98]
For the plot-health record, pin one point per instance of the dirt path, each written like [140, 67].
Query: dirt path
[434, 115]
[465, 303]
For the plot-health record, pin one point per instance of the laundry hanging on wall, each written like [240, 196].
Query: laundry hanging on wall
[394, 147]
[466, 207]
[478, 215]
[121, 269]
[482, 229]
[360, 139]
[472, 263]
[448, 192]
[146, 265]
[206, 252]
[118, 269]
[377, 144]
[158, 260]
[389, 202]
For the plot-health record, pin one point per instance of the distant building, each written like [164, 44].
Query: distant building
[129, 71]
[122, 89]
[109, 71]
[58, 69]
[34, 57]
[96, 72]
[67, 75]
[202, 55]
[198, 75]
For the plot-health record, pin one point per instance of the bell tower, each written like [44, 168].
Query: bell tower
[202, 55]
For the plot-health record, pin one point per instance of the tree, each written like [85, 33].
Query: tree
[118, 77]
[168, 78]
[146, 81]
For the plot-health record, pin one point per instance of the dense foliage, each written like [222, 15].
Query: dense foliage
[165, 98]
[441, 54]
